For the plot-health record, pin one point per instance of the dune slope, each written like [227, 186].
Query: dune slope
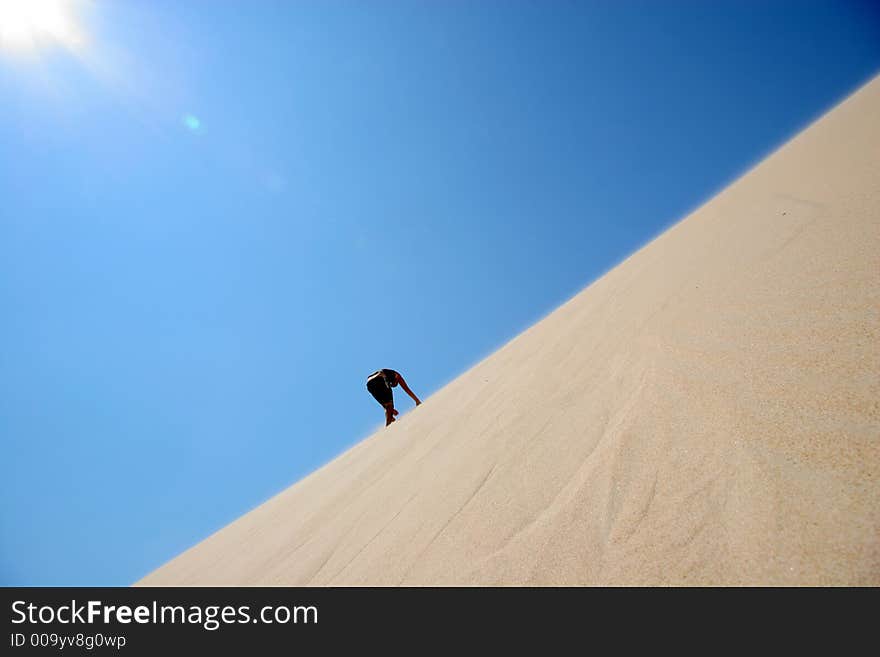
[706, 413]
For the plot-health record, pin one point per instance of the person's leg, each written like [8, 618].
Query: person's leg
[382, 394]
[390, 412]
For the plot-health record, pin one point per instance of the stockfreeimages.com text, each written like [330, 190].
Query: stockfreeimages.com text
[210, 617]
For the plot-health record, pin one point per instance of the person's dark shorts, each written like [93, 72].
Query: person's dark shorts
[380, 390]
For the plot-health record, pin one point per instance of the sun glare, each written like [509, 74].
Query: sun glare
[28, 25]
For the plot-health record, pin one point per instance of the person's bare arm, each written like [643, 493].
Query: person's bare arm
[407, 390]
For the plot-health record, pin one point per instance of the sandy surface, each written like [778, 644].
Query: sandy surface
[707, 413]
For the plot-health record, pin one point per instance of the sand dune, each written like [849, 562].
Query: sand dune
[707, 413]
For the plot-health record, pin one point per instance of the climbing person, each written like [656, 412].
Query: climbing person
[380, 383]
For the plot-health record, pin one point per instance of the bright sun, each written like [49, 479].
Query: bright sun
[34, 24]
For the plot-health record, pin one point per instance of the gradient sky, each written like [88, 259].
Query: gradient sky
[217, 218]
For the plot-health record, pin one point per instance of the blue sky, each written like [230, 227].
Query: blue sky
[217, 218]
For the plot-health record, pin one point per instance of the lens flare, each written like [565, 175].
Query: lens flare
[192, 122]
